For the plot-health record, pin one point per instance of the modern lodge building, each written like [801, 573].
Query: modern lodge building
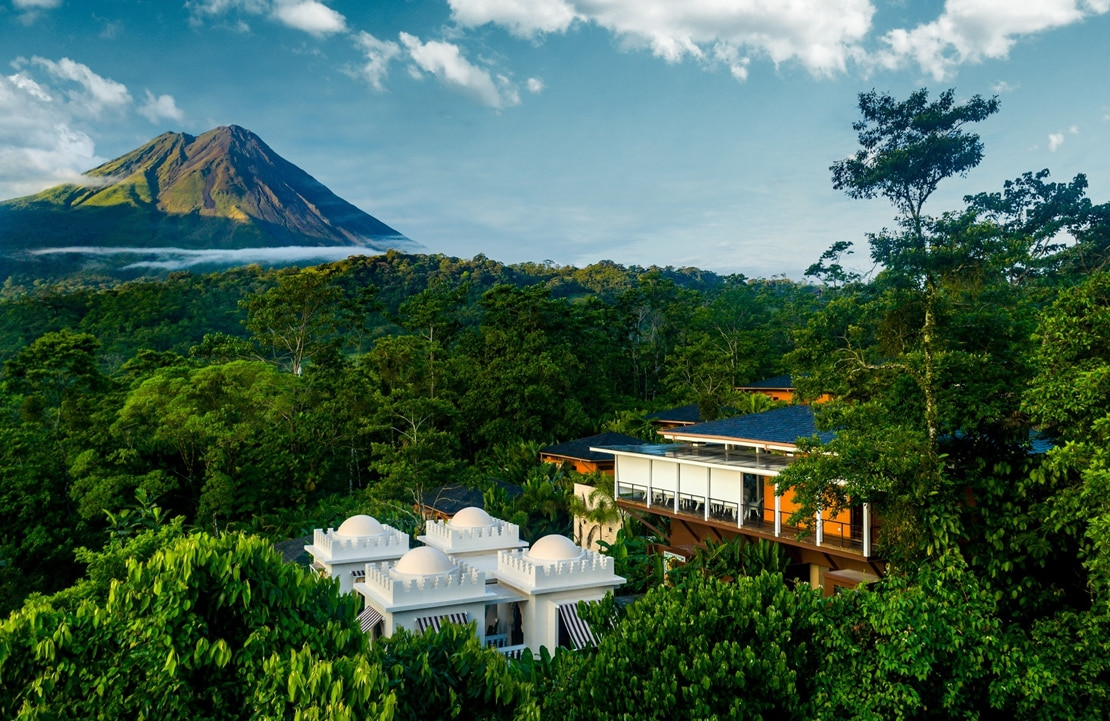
[718, 480]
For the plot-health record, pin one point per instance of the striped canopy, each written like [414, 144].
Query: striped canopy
[579, 630]
[369, 618]
[433, 622]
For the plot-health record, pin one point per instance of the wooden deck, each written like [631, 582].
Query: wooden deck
[835, 551]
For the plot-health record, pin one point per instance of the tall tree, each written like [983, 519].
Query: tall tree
[906, 149]
[909, 352]
[294, 318]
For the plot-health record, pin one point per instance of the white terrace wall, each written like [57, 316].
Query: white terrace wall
[463, 584]
[443, 536]
[518, 569]
[335, 548]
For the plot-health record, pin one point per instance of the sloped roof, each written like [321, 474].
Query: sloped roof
[452, 499]
[579, 449]
[780, 425]
[682, 414]
[776, 382]
[292, 550]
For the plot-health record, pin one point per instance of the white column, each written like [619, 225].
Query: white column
[820, 529]
[651, 467]
[867, 530]
[778, 512]
[740, 506]
[677, 484]
[708, 489]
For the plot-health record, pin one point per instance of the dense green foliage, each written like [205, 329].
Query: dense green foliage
[237, 398]
[272, 402]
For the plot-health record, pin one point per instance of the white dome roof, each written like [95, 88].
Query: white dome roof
[554, 548]
[361, 526]
[471, 517]
[424, 561]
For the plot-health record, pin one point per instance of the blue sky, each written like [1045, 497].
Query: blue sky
[643, 131]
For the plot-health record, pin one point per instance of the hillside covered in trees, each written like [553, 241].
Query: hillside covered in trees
[158, 435]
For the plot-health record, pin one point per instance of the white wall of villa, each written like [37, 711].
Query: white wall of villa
[472, 532]
[477, 566]
[522, 570]
[358, 540]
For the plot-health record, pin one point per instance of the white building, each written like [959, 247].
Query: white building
[475, 568]
[344, 552]
[474, 536]
[556, 574]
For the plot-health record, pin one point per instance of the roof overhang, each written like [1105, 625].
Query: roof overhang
[757, 464]
[763, 445]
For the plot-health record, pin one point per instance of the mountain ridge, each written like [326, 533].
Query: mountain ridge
[221, 190]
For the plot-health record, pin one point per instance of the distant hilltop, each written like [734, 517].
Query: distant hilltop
[224, 190]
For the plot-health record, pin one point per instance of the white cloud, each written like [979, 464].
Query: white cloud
[821, 34]
[94, 93]
[446, 62]
[219, 7]
[38, 145]
[45, 109]
[969, 31]
[27, 84]
[524, 18]
[162, 107]
[1002, 87]
[36, 4]
[310, 16]
[730, 56]
[178, 258]
[379, 53]
[535, 85]
[1055, 140]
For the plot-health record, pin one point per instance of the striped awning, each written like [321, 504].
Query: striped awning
[433, 622]
[579, 630]
[369, 618]
[359, 575]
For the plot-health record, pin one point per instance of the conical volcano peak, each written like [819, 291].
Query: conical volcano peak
[253, 196]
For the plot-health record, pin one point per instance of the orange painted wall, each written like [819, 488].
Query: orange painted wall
[789, 505]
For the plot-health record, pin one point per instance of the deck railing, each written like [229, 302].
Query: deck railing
[756, 516]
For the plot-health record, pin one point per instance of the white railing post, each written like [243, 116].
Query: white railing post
[820, 529]
[778, 512]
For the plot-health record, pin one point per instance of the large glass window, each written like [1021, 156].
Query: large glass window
[753, 497]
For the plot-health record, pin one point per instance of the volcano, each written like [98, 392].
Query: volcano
[223, 190]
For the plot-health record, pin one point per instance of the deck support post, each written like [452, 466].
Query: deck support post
[778, 512]
[867, 530]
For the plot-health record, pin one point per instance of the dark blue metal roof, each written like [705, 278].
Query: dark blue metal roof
[682, 414]
[1039, 445]
[776, 382]
[579, 449]
[781, 425]
[452, 499]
